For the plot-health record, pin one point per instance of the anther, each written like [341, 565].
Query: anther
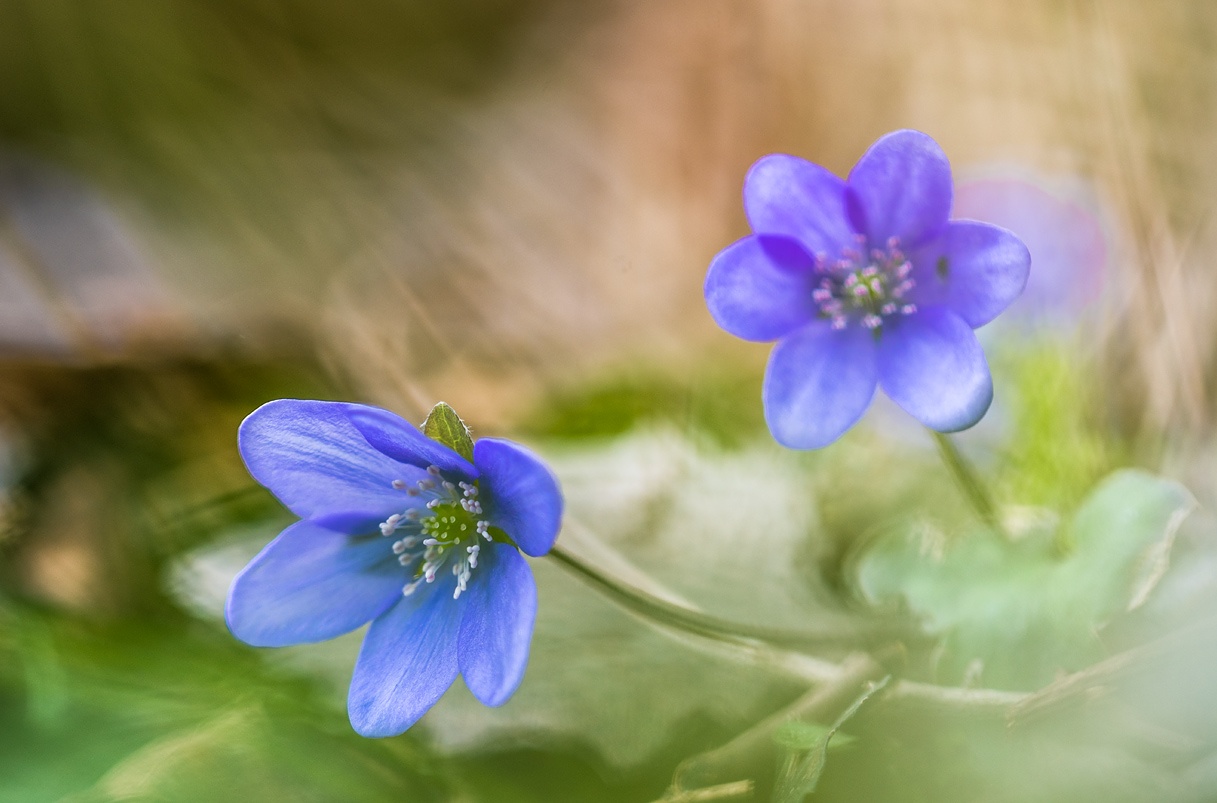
[433, 471]
[399, 484]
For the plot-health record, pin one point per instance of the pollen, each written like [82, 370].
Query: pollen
[864, 288]
[445, 532]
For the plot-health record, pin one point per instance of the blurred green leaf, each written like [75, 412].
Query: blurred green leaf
[444, 426]
[800, 768]
[1030, 607]
[800, 736]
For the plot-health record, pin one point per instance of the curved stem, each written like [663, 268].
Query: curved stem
[968, 480]
[696, 622]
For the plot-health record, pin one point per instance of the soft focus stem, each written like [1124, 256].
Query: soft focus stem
[693, 621]
[968, 480]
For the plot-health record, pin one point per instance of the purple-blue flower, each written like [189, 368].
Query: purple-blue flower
[401, 531]
[865, 283]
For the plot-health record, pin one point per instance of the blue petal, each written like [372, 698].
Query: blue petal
[818, 383]
[760, 287]
[522, 496]
[396, 437]
[317, 463]
[408, 660]
[497, 627]
[974, 269]
[931, 364]
[791, 196]
[901, 187]
[312, 584]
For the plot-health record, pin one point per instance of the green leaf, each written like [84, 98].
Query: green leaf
[800, 769]
[801, 736]
[445, 426]
[1029, 607]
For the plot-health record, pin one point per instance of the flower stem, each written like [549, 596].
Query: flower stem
[693, 621]
[969, 481]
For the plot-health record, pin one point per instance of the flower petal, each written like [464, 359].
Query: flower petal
[760, 287]
[408, 660]
[522, 495]
[312, 584]
[931, 364]
[397, 438]
[901, 187]
[791, 196]
[315, 461]
[818, 383]
[497, 627]
[974, 269]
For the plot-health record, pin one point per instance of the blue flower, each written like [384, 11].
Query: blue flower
[865, 283]
[401, 531]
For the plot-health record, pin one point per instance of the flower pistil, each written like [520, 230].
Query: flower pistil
[864, 287]
[447, 529]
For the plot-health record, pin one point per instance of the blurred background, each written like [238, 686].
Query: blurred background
[510, 206]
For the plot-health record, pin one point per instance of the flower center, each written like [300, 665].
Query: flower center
[446, 531]
[864, 287]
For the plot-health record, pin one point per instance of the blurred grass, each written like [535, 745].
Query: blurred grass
[715, 401]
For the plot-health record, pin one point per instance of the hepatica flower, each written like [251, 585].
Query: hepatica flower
[421, 536]
[865, 283]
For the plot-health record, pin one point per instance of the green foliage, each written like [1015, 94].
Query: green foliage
[444, 426]
[806, 751]
[1031, 606]
[719, 402]
[1058, 449]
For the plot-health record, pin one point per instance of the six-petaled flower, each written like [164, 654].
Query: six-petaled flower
[865, 283]
[403, 532]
